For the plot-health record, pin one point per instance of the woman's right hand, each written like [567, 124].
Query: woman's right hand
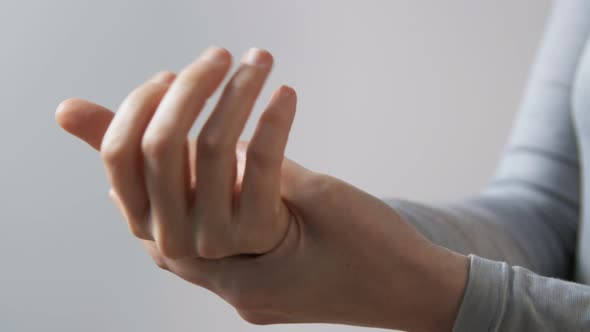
[324, 251]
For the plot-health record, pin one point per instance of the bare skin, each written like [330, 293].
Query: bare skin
[279, 242]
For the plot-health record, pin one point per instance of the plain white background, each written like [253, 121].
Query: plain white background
[410, 99]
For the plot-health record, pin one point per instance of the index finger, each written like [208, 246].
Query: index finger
[87, 120]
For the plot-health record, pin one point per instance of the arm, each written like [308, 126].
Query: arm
[345, 256]
[528, 214]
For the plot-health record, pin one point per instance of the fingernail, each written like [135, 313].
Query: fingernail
[281, 94]
[257, 57]
[286, 91]
[215, 54]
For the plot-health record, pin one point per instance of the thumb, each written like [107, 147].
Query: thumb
[84, 119]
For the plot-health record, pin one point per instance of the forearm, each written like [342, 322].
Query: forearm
[508, 228]
[514, 224]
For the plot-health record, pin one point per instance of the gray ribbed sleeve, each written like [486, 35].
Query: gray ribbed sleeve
[525, 221]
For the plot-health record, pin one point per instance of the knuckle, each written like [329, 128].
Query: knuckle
[262, 157]
[207, 250]
[211, 144]
[138, 231]
[240, 86]
[173, 247]
[155, 146]
[156, 256]
[160, 262]
[173, 251]
[113, 152]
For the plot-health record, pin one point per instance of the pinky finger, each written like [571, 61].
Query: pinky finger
[157, 257]
[260, 225]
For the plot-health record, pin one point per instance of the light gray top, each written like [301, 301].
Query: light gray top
[528, 231]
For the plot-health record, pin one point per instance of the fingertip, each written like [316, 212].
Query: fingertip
[288, 92]
[258, 57]
[287, 96]
[164, 76]
[225, 52]
[83, 119]
[63, 112]
[216, 54]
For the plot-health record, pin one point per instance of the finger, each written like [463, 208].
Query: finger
[148, 244]
[191, 173]
[121, 150]
[197, 271]
[164, 77]
[84, 119]
[152, 249]
[216, 162]
[262, 222]
[164, 147]
[87, 120]
[201, 272]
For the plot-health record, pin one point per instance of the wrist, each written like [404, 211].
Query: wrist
[426, 289]
[447, 277]
[433, 281]
[433, 288]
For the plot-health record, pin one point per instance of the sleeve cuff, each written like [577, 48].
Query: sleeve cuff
[485, 296]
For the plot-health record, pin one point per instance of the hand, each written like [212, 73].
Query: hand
[280, 243]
